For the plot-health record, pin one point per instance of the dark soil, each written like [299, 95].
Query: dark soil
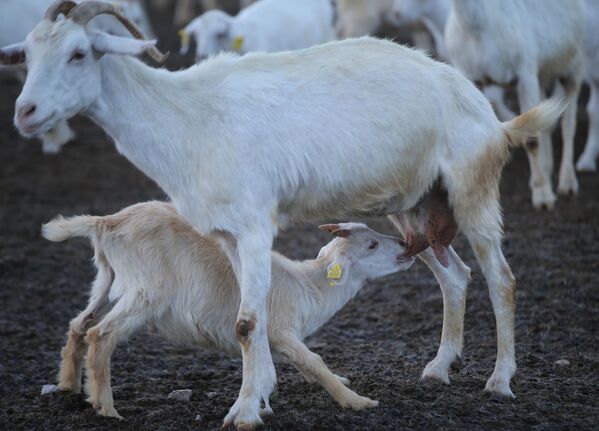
[381, 340]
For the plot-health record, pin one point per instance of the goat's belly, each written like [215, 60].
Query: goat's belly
[369, 202]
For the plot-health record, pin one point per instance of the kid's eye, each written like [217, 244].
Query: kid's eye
[373, 245]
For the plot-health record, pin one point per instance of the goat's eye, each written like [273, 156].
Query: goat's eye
[373, 245]
[77, 55]
[221, 36]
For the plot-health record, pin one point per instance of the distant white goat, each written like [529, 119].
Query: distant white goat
[432, 14]
[266, 26]
[246, 144]
[535, 44]
[153, 267]
[588, 159]
[17, 19]
[360, 17]
[185, 9]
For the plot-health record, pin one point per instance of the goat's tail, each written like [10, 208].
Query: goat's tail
[62, 228]
[541, 117]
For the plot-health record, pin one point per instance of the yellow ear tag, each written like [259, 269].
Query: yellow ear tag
[334, 273]
[237, 43]
[184, 37]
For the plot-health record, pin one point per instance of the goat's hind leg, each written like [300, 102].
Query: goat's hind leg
[568, 184]
[482, 227]
[539, 153]
[102, 339]
[69, 376]
[314, 369]
[453, 281]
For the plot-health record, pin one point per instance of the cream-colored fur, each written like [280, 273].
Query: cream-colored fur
[153, 267]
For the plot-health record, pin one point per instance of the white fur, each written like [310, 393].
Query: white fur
[266, 26]
[17, 19]
[536, 43]
[164, 273]
[246, 144]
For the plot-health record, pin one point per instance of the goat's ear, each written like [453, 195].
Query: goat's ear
[335, 229]
[13, 54]
[108, 44]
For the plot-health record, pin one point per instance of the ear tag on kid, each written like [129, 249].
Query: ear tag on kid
[184, 37]
[237, 43]
[334, 273]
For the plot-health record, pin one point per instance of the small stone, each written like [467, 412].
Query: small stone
[180, 395]
[48, 389]
[562, 363]
[199, 418]
[211, 394]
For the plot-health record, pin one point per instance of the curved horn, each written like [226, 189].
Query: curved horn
[59, 7]
[85, 11]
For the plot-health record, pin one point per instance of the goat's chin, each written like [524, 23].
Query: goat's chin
[36, 129]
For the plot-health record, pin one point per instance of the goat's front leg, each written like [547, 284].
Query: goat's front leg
[259, 378]
[313, 368]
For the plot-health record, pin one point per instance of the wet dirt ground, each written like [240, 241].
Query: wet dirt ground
[381, 340]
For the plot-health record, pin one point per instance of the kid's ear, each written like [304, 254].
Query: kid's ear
[335, 229]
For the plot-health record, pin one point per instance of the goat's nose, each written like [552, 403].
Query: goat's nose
[26, 110]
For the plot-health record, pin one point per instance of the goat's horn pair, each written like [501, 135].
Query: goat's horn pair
[85, 11]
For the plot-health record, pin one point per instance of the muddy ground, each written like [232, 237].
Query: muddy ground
[381, 340]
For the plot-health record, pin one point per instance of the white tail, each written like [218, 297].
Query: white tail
[541, 117]
[62, 228]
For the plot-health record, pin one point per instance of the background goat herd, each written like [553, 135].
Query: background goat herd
[304, 120]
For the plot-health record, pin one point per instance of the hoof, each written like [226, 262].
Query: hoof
[435, 372]
[568, 184]
[359, 403]
[499, 388]
[543, 198]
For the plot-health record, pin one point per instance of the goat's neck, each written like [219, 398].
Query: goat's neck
[334, 297]
[148, 112]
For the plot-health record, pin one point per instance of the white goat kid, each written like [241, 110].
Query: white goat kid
[537, 44]
[266, 26]
[244, 145]
[153, 267]
[588, 159]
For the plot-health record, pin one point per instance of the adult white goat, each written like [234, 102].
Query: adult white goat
[535, 44]
[243, 145]
[266, 26]
[17, 19]
[154, 267]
